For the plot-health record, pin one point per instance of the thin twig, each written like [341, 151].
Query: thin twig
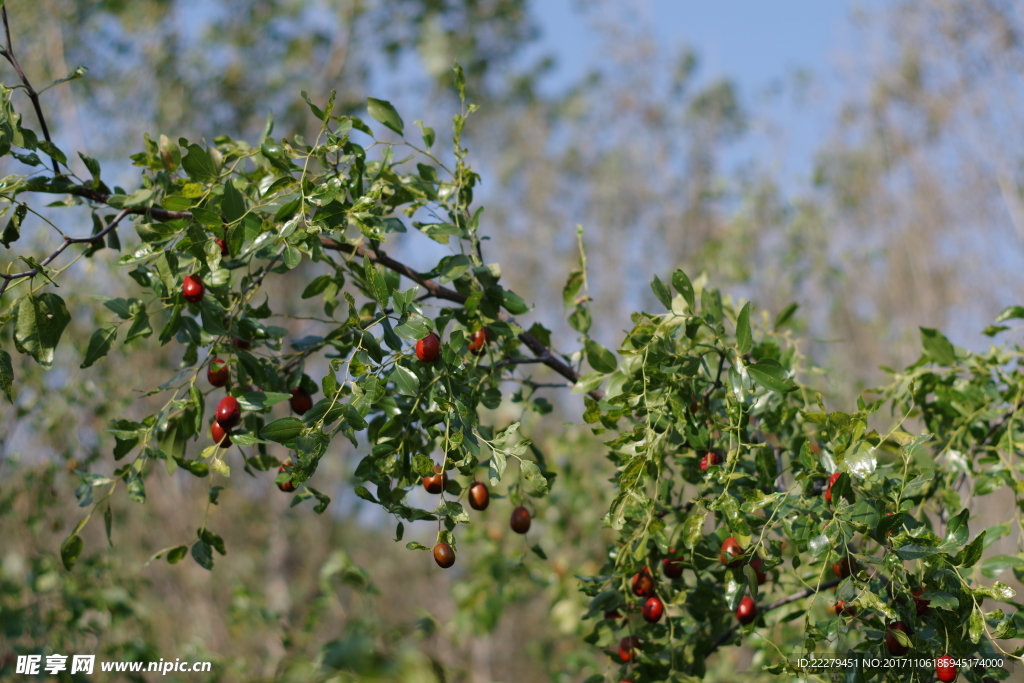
[68, 241]
[718, 378]
[8, 53]
[511, 361]
[799, 595]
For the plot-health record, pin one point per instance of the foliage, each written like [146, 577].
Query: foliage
[791, 482]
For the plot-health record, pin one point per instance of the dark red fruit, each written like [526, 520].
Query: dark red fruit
[479, 495]
[653, 609]
[300, 401]
[626, 647]
[289, 485]
[192, 289]
[672, 566]
[444, 555]
[756, 565]
[613, 614]
[436, 482]
[220, 435]
[520, 521]
[844, 568]
[892, 644]
[731, 554]
[218, 373]
[920, 603]
[694, 407]
[747, 610]
[479, 340]
[828, 489]
[845, 609]
[643, 583]
[228, 412]
[710, 458]
[428, 349]
[945, 669]
[223, 247]
[242, 344]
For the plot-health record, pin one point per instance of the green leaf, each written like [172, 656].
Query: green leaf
[213, 540]
[1009, 313]
[6, 375]
[413, 545]
[38, 325]
[140, 326]
[579, 319]
[377, 282]
[957, 531]
[453, 511]
[743, 333]
[539, 552]
[233, 203]
[428, 134]
[770, 375]
[941, 600]
[915, 551]
[406, 381]
[572, 288]
[513, 303]
[784, 316]
[938, 348]
[600, 358]
[819, 545]
[977, 625]
[682, 284]
[70, 549]
[588, 382]
[79, 72]
[99, 345]
[969, 556]
[995, 566]
[202, 555]
[364, 493]
[283, 430]
[261, 400]
[383, 112]
[13, 230]
[176, 555]
[54, 151]
[415, 328]
[533, 476]
[91, 164]
[661, 291]
[199, 166]
[452, 267]
[496, 470]
[318, 285]
[693, 527]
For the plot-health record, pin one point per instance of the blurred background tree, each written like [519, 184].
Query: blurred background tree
[910, 213]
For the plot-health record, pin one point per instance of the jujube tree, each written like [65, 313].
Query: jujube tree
[743, 507]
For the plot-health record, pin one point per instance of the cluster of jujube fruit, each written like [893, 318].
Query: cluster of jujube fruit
[733, 556]
[228, 412]
[428, 350]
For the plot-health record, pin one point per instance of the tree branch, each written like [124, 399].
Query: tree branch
[68, 241]
[433, 288]
[8, 53]
[799, 595]
[542, 352]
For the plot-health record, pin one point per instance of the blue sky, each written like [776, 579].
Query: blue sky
[756, 43]
[753, 41]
